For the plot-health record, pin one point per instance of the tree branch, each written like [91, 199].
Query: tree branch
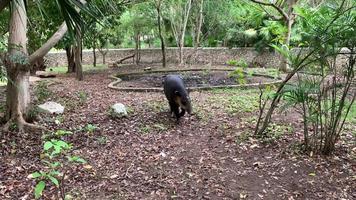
[279, 9]
[3, 4]
[44, 49]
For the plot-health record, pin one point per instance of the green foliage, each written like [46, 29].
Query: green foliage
[90, 128]
[275, 132]
[56, 159]
[83, 96]
[324, 102]
[231, 62]
[41, 91]
[239, 75]
[19, 58]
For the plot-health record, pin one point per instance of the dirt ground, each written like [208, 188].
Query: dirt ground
[209, 155]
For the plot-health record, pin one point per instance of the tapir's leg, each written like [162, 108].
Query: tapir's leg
[175, 109]
[182, 112]
[171, 106]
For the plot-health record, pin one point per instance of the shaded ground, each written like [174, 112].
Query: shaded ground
[193, 79]
[148, 156]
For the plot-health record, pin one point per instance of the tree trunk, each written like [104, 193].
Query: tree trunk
[137, 44]
[103, 54]
[163, 47]
[18, 91]
[70, 59]
[199, 25]
[182, 32]
[94, 55]
[78, 59]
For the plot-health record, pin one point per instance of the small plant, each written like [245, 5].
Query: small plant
[242, 63]
[57, 134]
[59, 119]
[102, 140]
[275, 132]
[42, 92]
[239, 75]
[90, 128]
[56, 160]
[83, 96]
[243, 137]
[231, 62]
[145, 129]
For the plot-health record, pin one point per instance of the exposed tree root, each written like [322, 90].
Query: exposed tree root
[22, 125]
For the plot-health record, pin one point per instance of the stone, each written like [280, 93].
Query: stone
[51, 107]
[119, 110]
[44, 74]
[147, 69]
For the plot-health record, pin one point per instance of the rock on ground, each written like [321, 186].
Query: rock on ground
[44, 74]
[51, 107]
[119, 109]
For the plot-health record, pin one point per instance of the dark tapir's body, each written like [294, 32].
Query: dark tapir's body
[177, 95]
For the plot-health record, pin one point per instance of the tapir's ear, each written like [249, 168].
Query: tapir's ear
[176, 93]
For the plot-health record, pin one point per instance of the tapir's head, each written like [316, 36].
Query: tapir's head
[183, 100]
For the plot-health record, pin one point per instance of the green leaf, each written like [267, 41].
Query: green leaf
[54, 180]
[62, 144]
[47, 145]
[39, 189]
[35, 175]
[77, 159]
[312, 174]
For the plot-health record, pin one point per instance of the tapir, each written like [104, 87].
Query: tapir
[177, 95]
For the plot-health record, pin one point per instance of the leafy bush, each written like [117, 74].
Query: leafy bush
[57, 161]
[239, 75]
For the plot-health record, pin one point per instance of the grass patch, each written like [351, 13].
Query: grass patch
[266, 71]
[157, 128]
[156, 106]
[236, 100]
[63, 69]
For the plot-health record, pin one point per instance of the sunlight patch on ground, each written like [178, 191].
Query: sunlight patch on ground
[63, 69]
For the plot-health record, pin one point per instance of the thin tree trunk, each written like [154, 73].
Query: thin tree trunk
[182, 32]
[137, 56]
[199, 25]
[94, 55]
[77, 59]
[103, 54]
[163, 47]
[70, 59]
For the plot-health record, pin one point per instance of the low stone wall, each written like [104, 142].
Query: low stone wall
[202, 56]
